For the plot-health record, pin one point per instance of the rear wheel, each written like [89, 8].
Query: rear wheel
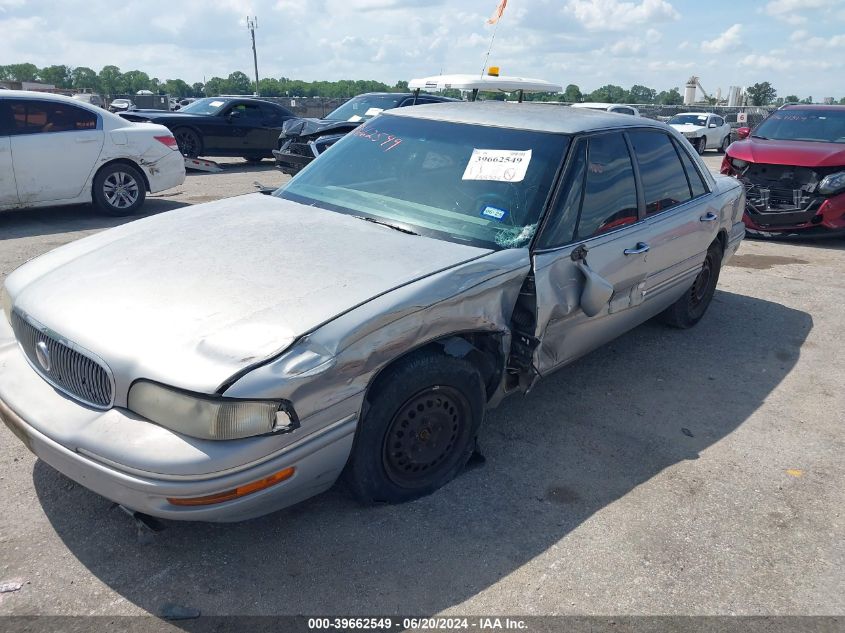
[188, 141]
[419, 431]
[688, 310]
[119, 189]
[253, 160]
[702, 144]
[725, 144]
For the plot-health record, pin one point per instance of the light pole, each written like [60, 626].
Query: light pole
[252, 24]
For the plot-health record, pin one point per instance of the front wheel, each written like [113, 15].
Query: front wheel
[419, 431]
[702, 145]
[188, 141]
[688, 310]
[119, 189]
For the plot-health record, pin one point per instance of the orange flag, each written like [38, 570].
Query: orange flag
[497, 14]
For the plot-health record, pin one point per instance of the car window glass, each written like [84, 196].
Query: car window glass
[39, 117]
[247, 110]
[610, 196]
[6, 119]
[661, 172]
[695, 179]
[560, 227]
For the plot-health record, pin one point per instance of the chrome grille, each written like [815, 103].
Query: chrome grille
[70, 370]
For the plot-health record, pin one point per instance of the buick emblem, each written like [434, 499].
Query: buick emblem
[43, 355]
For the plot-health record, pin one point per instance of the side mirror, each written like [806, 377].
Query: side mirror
[712, 125]
[743, 132]
[597, 291]
[234, 114]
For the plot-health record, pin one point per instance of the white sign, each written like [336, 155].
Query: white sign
[503, 165]
[742, 117]
[373, 111]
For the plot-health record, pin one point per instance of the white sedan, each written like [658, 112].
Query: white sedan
[57, 151]
[704, 130]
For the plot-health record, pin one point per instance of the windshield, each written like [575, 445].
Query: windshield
[804, 125]
[209, 105]
[364, 107]
[688, 119]
[472, 184]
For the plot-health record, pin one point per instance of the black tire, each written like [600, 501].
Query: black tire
[418, 430]
[253, 160]
[189, 142]
[702, 145]
[688, 310]
[725, 144]
[119, 189]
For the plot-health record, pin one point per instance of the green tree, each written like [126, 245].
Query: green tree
[572, 94]
[762, 93]
[792, 99]
[239, 84]
[20, 72]
[670, 97]
[401, 86]
[197, 89]
[84, 78]
[135, 80]
[59, 76]
[808, 100]
[111, 80]
[609, 94]
[176, 88]
[642, 94]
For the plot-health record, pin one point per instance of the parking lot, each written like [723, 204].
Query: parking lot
[688, 472]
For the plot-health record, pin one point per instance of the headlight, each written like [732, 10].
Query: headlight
[210, 417]
[5, 301]
[738, 163]
[834, 183]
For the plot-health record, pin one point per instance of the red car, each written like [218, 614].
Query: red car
[793, 169]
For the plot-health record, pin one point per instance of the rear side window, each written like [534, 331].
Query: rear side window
[661, 172]
[42, 117]
[695, 180]
[610, 195]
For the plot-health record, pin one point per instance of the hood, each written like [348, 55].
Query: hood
[307, 127]
[190, 297]
[794, 153]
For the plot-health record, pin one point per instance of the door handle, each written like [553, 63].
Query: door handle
[709, 217]
[86, 140]
[641, 247]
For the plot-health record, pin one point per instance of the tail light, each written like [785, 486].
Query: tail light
[169, 141]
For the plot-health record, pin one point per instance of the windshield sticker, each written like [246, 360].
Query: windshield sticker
[516, 237]
[502, 165]
[386, 141]
[494, 213]
[216, 104]
[354, 119]
[373, 111]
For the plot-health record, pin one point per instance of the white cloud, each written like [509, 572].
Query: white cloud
[765, 62]
[726, 41]
[613, 15]
[791, 11]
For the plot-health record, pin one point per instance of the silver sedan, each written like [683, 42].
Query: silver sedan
[225, 360]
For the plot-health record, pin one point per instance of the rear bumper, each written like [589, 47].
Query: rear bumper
[167, 172]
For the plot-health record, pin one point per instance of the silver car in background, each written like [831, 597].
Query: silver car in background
[225, 360]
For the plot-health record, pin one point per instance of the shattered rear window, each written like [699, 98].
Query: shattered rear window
[472, 184]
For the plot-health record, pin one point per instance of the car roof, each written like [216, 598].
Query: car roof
[812, 106]
[48, 96]
[694, 113]
[403, 95]
[525, 116]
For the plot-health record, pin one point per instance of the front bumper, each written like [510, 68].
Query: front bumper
[290, 163]
[54, 427]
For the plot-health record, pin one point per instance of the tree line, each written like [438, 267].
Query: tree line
[111, 81]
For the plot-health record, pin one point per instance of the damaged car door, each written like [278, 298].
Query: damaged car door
[627, 235]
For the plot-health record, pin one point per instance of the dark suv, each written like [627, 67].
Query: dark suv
[302, 140]
[793, 169]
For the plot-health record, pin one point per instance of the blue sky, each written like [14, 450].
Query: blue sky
[797, 45]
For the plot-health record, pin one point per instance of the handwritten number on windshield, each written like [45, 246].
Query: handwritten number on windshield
[386, 141]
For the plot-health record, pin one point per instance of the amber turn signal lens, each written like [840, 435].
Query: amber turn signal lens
[240, 491]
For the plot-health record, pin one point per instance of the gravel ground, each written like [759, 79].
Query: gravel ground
[696, 472]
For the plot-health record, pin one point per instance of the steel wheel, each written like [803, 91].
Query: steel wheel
[188, 142]
[420, 443]
[121, 190]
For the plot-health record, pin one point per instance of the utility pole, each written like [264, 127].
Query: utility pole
[252, 24]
